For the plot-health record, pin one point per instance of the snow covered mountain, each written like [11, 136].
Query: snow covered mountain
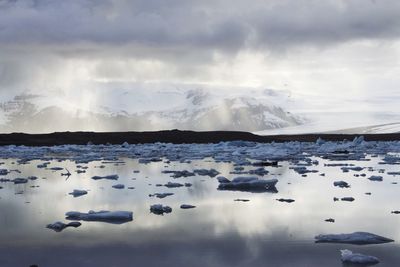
[150, 108]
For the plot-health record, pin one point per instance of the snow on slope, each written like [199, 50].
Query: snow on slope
[149, 107]
[343, 123]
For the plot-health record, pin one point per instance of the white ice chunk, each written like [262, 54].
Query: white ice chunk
[356, 238]
[78, 193]
[246, 184]
[116, 217]
[357, 258]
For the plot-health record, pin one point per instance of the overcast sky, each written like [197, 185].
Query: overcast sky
[347, 48]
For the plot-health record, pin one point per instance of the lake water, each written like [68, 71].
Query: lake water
[218, 232]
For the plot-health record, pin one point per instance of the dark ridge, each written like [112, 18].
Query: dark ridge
[171, 136]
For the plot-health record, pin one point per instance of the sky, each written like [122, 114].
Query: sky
[331, 54]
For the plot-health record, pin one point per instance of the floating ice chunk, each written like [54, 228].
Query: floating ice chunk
[4, 171]
[260, 171]
[56, 169]
[302, 169]
[265, 163]
[205, 172]
[187, 206]
[222, 179]
[108, 177]
[125, 144]
[178, 174]
[358, 140]
[350, 199]
[59, 226]
[357, 258]
[242, 200]
[148, 160]
[288, 200]
[78, 193]
[118, 186]
[341, 184]
[20, 180]
[171, 185]
[376, 178]
[393, 173]
[252, 184]
[319, 141]
[160, 209]
[347, 169]
[161, 195]
[116, 217]
[356, 238]
[330, 220]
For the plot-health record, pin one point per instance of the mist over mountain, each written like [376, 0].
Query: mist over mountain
[199, 109]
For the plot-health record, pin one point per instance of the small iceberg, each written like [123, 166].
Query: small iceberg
[161, 195]
[356, 238]
[241, 200]
[287, 200]
[118, 186]
[341, 184]
[78, 193]
[205, 172]
[376, 178]
[187, 206]
[115, 217]
[160, 209]
[349, 199]
[20, 180]
[250, 184]
[59, 226]
[107, 177]
[173, 185]
[357, 258]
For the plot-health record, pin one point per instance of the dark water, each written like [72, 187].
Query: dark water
[218, 232]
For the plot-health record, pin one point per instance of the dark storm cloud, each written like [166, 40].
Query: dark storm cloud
[179, 26]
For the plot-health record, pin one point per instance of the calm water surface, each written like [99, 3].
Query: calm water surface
[218, 232]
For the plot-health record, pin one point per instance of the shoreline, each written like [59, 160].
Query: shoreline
[173, 136]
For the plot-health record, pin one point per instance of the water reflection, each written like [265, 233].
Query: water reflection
[218, 232]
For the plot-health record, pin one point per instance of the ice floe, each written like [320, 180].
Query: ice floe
[347, 256]
[187, 206]
[287, 200]
[161, 195]
[78, 193]
[59, 226]
[356, 238]
[376, 178]
[107, 177]
[341, 184]
[160, 209]
[20, 180]
[118, 186]
[252, 184]
[115, 217]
